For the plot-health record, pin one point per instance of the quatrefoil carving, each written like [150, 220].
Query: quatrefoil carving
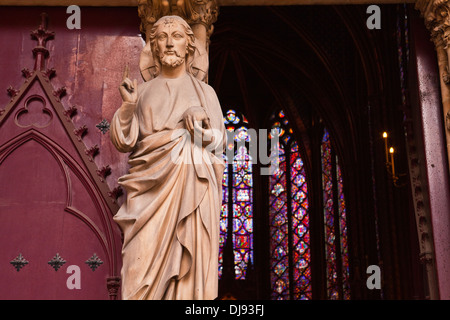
[34, 113]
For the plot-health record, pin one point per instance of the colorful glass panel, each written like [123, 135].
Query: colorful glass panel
[343, 234]
[278, 219]
[237, 183]
[289, 220]
[335, 222]
[242, 212]
[328, 213]
[223, 227]
[300, 227]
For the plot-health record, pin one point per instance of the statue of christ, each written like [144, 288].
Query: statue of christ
[170, 219]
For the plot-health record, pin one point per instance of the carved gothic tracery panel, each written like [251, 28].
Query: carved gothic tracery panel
[55, 208]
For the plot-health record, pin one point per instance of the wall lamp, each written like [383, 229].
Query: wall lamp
[390, 163]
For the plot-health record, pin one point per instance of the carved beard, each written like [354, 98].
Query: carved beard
[173, 60]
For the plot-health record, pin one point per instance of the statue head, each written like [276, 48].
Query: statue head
[172, 42]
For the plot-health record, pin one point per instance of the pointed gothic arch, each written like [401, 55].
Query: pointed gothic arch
[57, 202]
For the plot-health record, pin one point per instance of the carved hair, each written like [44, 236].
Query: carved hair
[190, 41]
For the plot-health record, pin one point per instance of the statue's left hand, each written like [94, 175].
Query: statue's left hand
[195, 114]
[197, 123]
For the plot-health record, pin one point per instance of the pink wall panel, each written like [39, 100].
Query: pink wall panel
[50, 198]
[89, 62]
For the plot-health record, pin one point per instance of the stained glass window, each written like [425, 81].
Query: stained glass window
[335, 224]
[238, 197]
[343, 234]
[290, 272]
[223, 216]
[289, 213]
[242, 212]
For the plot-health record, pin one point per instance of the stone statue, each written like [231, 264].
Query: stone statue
[199, 14]
[170, 219]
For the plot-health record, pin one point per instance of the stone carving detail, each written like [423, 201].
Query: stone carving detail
[70, 112]
[42, 35]
[103, 126]
[104, 172]
[57, 262]
[193, 11]
[200, 15]
[115, 193]
[92, 152]
[436, 14]
[200, 12]
[38, 115]
[150, 11]
[94, 262]
[19, 262]
[80, 132]
[27, 73]
[50, 73]
[113, 285]
[12, 92]
[59, 93]
[437, 19]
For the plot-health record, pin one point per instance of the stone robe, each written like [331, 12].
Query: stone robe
[170, 219]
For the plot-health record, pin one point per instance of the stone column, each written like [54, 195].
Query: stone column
[434, 220]
[199, 14]
[437, 19]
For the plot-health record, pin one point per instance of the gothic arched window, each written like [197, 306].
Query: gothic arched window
[237, 185]
[288, 213]
[335, 222]
[290, 270]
